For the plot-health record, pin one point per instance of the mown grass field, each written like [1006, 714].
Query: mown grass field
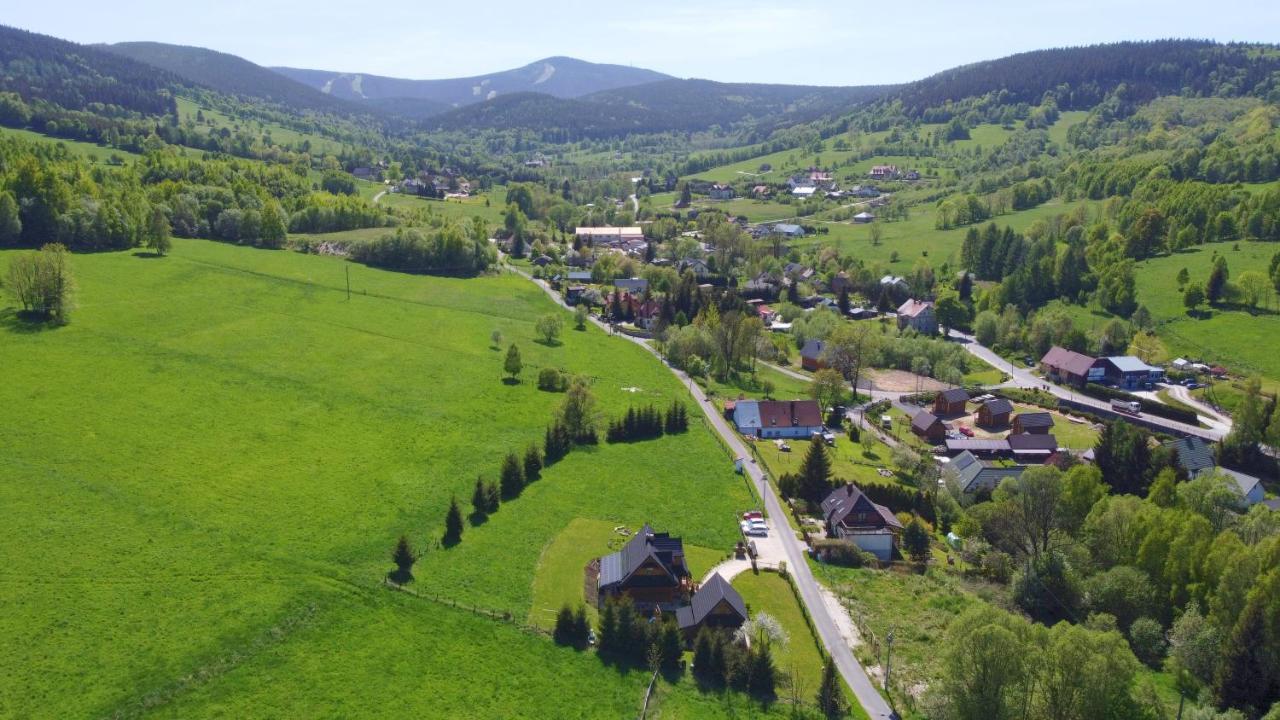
[1241, 339]
[203, 474]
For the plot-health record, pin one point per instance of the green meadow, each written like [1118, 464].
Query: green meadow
[96, 153]
[204, 473]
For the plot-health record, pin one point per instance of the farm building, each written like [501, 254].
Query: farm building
[1032, 423]
[1032, 448]
[650, 569]
[1072, 368]
[811, 355]
[972, 476]
[928, 426]
[950, 402]
[778, 418]
[715, 604]
[851, 515]
[917, 315]
[995, 413]
[1129, 373]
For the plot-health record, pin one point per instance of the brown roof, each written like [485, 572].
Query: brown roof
[1068, 360]
[924, 420]
[913, 307]
[954, 395]
[790, 413]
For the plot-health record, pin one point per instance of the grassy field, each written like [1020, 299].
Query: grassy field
[206, 532]
[769, 592]
[848, 462]
[96, 153]
[785, 387]
[279, 134]
[475, 205]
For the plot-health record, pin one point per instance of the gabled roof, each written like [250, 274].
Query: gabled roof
[712, 592]
[1026, 442]
[967, 446]
[913, 307]
[1129, 363]
[645, 544]
[972, 474]
[789, 413]
[954, 395]
[924, 420]
[812, 349]
[842, 501]
[1194, 454]
[1244, 484]
[998, 406]
[787, 228]
[1070, 361]
[1034, 419]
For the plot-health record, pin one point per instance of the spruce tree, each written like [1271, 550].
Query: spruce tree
[1217, 283]
[762, 677]
[532, 464]
[702, 648]
[1243, 679]
[581, 628]
[493, 497]
[512, 477]
[815, 473]
[453, 523]
[670, 644]
[831, 701]
[609, 627]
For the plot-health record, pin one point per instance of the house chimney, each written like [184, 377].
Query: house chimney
[849, 489]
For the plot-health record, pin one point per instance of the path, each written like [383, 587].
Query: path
[794, 551]
[1209, 415]
[1021, 377]
[769, 551]
[378, 197]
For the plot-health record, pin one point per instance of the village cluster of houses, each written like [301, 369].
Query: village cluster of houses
[817, 182]
[1125, 372]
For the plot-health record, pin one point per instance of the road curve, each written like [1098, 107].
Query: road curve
[853, 673]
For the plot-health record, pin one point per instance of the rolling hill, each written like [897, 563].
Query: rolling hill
[232, 75]
[561, 77]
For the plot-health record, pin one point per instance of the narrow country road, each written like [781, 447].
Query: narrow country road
[378, 197]
[1025, 379]
[793, 549]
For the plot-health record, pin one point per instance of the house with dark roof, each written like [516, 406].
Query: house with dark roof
[811, 355]
[715, 604]
[950, 402]
[1195, 454]
[928, 426]
[979, 447]
[650, 569]
[918, 315]
[995, 413]
[1061, 365]
[971, 475]
[788, 229]
[635, 286]
[778, 418]
[851, 515]
[721, 192]
[1033, 423]
[1032, 448]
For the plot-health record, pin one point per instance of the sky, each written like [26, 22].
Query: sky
[812, 42]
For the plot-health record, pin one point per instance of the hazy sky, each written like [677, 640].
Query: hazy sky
[821, 42]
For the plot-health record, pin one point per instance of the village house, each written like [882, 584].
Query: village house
[863, 191]
[841, 283]
[635, 286]
[995, 413]
[719, 191]
[884, 172]
[1064, 366]
[761, 191]
[972, 476]
[979, 447]
[804, 191]
[609, 236]
[1028, 448]
[650, 569]
[715, 605]
[864, 217]
[1032, 423]
[919, 316]
[778, 418]
[1196, 457]
[950, 402]
[927, 425]
[788, 229]
[819, 176]
[811, 355]
[851, 515]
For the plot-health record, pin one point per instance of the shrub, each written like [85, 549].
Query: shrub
[552, 380]
[1146, 637]
[843, 553]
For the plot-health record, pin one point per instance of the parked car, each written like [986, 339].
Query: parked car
[753, 515]
[750, 528]
[965, 430]
[829, 439]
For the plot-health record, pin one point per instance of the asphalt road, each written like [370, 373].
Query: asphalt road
[852, 672]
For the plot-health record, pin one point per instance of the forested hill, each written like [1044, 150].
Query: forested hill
[557, 119]
[79, 77]
[561, 77]
[1081, 77]
[232, 75]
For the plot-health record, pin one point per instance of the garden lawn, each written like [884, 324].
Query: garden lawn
[785, 387]
[203, 475]
[848, 463]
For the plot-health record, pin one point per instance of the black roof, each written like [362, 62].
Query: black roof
[1026, 441]
[998, 406]
[812, 349]
[954, 395]
[1035, 419]
[712, 592]
[646, 543]
[1194, 454]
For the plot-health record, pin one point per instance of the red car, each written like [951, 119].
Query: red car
[965, 430]
[753, 515]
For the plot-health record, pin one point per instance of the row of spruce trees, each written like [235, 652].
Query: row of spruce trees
[648, 423]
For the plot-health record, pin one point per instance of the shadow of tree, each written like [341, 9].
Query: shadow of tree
[147, 255]
[400, 577]
[25, 323]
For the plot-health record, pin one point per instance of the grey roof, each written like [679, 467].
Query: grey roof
[579, 275]
[708, 596]
[973, 475]
[1034, 419]
[976, 445]
[617, 567]
[1194, 454]
[1027, 442]
[924, 420]
[631, 284]
[954, 395]
[787, 228]
[1273, 504]
[1244, 483]
[998, 406]
[1129, 363]
[812, 349]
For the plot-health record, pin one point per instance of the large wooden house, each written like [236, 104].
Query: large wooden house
[715, 605]
[650, 569]
[851, 515]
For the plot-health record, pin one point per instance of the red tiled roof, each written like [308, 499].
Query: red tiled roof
[790, 413]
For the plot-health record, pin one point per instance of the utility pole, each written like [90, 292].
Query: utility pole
[888, 658]
[348, 269]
